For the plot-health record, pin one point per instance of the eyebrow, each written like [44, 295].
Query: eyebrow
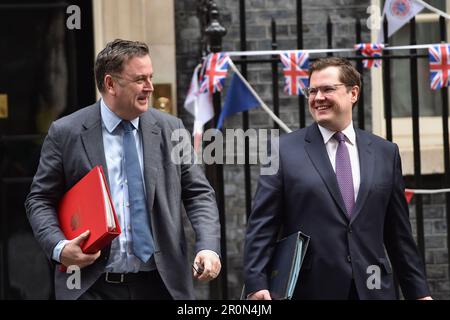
[139, 75]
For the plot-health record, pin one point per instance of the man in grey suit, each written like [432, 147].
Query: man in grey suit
[95, 135]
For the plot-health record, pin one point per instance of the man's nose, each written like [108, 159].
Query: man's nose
[319, 95]
[148, 85]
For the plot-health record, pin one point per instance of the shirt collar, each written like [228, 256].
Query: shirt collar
[111, 120]
[349, 132]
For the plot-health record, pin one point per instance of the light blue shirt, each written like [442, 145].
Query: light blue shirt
[121, 257]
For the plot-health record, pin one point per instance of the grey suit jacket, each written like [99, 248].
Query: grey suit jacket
[74, 145]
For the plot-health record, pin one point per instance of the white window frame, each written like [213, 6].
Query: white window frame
[431, 136]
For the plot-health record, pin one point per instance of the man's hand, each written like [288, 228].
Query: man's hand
[426, 298]
[206, 265]
[72, 254]
[260, 295]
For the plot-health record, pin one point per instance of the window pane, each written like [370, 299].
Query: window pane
[429, 100]
[439, 4]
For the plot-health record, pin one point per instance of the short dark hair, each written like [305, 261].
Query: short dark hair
[111, 59]
[348, 75]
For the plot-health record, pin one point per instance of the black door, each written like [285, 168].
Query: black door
[45, 73]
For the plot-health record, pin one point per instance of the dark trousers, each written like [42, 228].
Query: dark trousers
[353, 294]
[128, 286]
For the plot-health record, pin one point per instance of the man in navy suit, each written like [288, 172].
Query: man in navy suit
[344, 188]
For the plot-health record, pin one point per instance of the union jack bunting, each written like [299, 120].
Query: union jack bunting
[439, 66]
[215, 72]
[370, 50]
[295, 69]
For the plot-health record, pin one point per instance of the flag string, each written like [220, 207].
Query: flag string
[427, 191]
[273, 52]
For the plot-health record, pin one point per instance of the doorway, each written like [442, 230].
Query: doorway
[45, 73]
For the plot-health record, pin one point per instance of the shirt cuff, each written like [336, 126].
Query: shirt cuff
[212, 252]
[58, 249]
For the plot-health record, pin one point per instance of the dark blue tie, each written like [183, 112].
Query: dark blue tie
[142, 237]
[344, 173]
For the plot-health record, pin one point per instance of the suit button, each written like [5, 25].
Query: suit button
[350, 230]
[349, 259]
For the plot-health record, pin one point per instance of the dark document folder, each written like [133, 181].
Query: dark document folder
[285, 265]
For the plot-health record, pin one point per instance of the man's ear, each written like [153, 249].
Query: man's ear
[109, 85]
[355, 94]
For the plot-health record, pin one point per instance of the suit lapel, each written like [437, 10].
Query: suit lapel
[92, 139]
[366, 164]
[318, 154]
[151, 141]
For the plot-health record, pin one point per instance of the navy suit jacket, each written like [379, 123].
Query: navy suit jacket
[304, 195]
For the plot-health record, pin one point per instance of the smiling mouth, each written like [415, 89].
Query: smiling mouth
[320, 108]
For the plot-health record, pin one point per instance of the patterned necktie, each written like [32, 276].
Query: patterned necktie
[344, 173]
[142, 237]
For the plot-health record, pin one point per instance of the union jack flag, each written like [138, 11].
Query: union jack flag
[370, 50]
[215, 72]
[439, 66]
[295, 69]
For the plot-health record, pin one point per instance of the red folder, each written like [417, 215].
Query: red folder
[88, 206]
